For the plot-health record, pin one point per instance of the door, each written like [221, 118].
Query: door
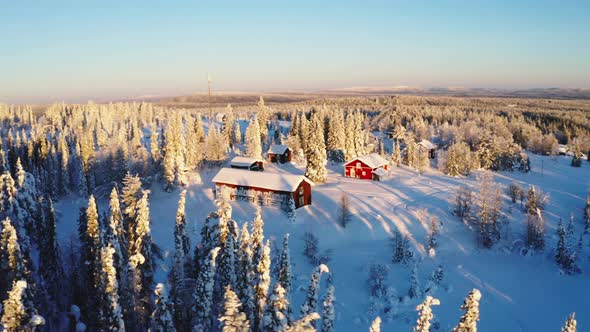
[301, 196]
[352, 173]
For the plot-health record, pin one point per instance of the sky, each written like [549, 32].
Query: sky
[76, 51]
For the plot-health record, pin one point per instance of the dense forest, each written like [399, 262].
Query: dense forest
[231, 280]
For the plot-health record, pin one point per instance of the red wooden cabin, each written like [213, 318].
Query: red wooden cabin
[366, 167]
[278, 153]
[264, 188]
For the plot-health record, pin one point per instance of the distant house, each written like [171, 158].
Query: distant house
[278, 153]
[369, 167]
[562, 149]
[251, 164]
[428, 146]
[219, 117]
[264, 188]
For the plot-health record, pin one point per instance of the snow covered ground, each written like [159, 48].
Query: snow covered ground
[520, 293]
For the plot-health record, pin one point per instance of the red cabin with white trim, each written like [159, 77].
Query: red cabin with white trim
[366, 167]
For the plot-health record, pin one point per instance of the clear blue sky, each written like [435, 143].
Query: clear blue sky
[79, 50]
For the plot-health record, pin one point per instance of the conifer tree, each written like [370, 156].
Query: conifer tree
[570, 324]
[50, 264]
[468, 322]
[227, 263]
[336, 137]
[262, 285]
[311, 298]
[215, 145]
[111, 315]
[12, 263]
[315, 152]
[181, 242]
[91, 244]
[228, 129]
[328, 311]
[18, 311]
[233, 320]
[203, 294]
[414, 290]
[276, 315]
[245, 273]
[425, 316]
[376, 325]
[262, 117]
[253, 143]
[64, 160]
[411, 153]
[587, 215]
[130, 196]
[142, 260]
[396, 158]
[291, 210]
[169, 161]
[115, 231]
[359, 134]
[161, 319]
[285, 277]
[423, 160]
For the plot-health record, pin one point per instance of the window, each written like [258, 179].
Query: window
[358, 165]
[364, 173]
[301, 191]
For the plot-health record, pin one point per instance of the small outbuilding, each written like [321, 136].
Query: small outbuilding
[562, 149]
[264, 188]
[429, 147]
[369, 167]
[278, 153]
[251, 164]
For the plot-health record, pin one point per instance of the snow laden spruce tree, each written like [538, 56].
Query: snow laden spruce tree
[12, 263]
[245, 273]
[315, 151]
[181, 259]
[276, 315]
[570, 324]
[425, 314]
[91, 243]
[328, 315]
[336, 137]
[161, 318]
[535, 222]
[376, 325]
[114, 234]
[232, 319]
[310, 304]
[203, 294]
[262, 285]
[414, 290]
[18, 311]
[490, 210]
[111, 314]
[253, 143]
[285, 275]
[50, 263]
[468, 322]
[141, 258]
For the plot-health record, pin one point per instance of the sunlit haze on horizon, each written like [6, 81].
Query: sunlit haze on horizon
[78, 51]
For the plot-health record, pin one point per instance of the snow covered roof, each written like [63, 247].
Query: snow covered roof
[380, 171]
[427, 144]
[562, 148]
[277, 149]
[243, 161]
[372, 160]
[271, 181]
